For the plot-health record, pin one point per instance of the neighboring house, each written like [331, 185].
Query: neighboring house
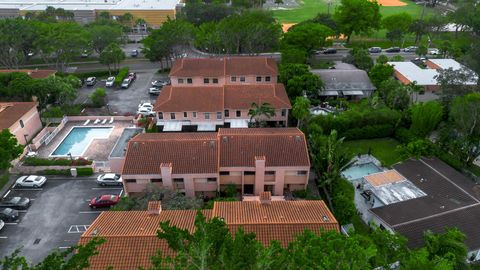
[422, 195]
[409, 72]
[206, 108]
[346, 83]
[201, 164]
[21, 118]
[222, 71]
[34, 73]
[131, 236]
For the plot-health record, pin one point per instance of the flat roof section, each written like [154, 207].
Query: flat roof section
[120, 147]
[35, 5]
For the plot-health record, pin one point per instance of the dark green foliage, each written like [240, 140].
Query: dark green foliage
[291, 55]
[55, 172]
[98, 97]
[84, 171]
[9, 149]
[380, 73]
[360, 58]
[209, 204]
[417, 149]
[84, 75]
[357, 16]
[198, 12]
[58, 112]
[404, 135]
[121, 75]
[343, 195]
[425, 117]
[34, 161]
[307, 37]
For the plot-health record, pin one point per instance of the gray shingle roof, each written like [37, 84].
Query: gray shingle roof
[341, 80]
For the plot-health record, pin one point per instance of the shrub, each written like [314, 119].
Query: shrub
[450, 159]
[122, 73]
[343, 196]
[54, 172]
[57, 112]
[230, 191]
[209, 204]
[34, 161]
[84, 75]
[84, 171]
[416, 149]
[404, 135]
[369, 132]
[98, 97]
[300, 193]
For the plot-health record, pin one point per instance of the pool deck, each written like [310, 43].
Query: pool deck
[98, 150]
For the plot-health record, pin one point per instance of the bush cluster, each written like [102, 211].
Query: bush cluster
[343, 196]
[34, 161]
[84, 171]
[122, 73]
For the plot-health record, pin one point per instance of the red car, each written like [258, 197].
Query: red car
[104, 201]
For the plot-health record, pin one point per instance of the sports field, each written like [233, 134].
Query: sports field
[309, 8]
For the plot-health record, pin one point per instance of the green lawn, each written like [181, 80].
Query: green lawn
[3, 179]
[309, 8]
[383, 149]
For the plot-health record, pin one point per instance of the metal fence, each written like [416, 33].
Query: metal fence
[55, 131]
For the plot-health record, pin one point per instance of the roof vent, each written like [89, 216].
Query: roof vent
[211, 144]
[154, 208]
[325, 218]
[135, 145]
[298, 139]
[94, 232]
[225, 139]
[266, 198]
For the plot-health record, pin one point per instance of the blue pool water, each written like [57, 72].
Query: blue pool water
[358, 171]
[79, 138]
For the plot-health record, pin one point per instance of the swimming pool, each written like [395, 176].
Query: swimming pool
[358, 171]
[78, 140]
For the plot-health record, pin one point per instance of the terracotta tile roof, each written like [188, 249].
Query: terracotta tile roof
[131, 235]
[242, 96]
[196, 98]
[11, 112]
[34, 73]
[211, 67]
[218, 98]
[383, 178]
[280, 146]
[188, 153]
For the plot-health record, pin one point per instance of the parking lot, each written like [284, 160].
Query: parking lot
[58, 215]
[125, 101]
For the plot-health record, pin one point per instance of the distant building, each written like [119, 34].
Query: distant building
[34, 73]
[346, 83]
[131, 236]
[154, 12]
[408, 72]
[21, 118]
[207, 94]
[201, 164]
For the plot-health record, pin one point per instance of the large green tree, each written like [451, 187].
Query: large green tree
[397, 25]
[380, 73]
[307, 36]
[16, 41]
[306, 84]
[260, 113]
[301, 110]
[104, 34]
[9, 149]
[111, 56]
[357, 16]
[425, 117]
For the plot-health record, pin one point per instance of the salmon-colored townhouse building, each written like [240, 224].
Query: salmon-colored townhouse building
[201, 164]
[21, 118]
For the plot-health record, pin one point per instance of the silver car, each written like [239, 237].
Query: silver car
[110, 81]
[31, 181]
[109, 179]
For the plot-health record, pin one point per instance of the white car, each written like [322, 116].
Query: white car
[109, 179]
[110, 81]
[1, 224]
[145, 105]
[154, 90]
[31, 181]
[433, 51]
[91, 81]
[146, 112]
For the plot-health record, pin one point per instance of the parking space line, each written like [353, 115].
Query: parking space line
[63, 247]
[3, 237]
[11, 223]
[27, 189]
[121, 192]
[32, 199]
[22, 211]
[88, 212]
[6, 194]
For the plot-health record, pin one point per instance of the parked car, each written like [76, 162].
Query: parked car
[433, 51]
[85, 54]
[91, 81]
[160, 83]
[410, 49]
[155, 90]
[104, 201]
[393, 50]
[330, 51]
[132, 75]
[146, 112]
[8, 214]
[126, 83]
[30, 181]
[110, 81]
[109, 179]
[20, 203]
[1, 224]
[30, 53]
[375, 50]
[134, 53]
[144, 104]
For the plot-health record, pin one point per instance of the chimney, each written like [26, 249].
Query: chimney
[166, 171]
[154, 208]
[266, 198]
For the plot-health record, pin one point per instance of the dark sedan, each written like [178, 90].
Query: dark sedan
[8, 214]
[393, 50]
[15, 203]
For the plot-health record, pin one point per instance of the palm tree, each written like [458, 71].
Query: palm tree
[259, 113]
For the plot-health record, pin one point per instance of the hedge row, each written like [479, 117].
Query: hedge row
[84, 75]
[84, 171]
[34, 161]
[343, 197]
[121, 75]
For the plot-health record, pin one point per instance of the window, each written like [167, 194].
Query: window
[269, 172]
[194, 114]
[21, 124]
[284, 112]
[160, 115]
[239, 113]
[215, 80]
[233, 79]
[302, 173]
[219, 115]
[224, 173]
[180, 81]
[249, 173]
[178, 180]
[156, 180]
[267, 79]
[211, 179]
[130, 180]
[259, 79]
[185, 114]
[172, 116]
[189, 80]
[242, 79]
[206, 80]
[207, 115]
[227, 113]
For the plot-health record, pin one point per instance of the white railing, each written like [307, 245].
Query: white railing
[55, 131]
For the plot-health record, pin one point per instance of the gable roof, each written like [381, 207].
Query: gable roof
[218, 98]
[34, 73]
[344, 79]
[131, 235]
[198, 152]
[11, 112]
[212, 67]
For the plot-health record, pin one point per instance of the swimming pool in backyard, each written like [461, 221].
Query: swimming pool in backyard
[78, 140]
[358, 171]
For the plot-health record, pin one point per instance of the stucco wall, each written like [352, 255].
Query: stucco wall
[32, 125]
